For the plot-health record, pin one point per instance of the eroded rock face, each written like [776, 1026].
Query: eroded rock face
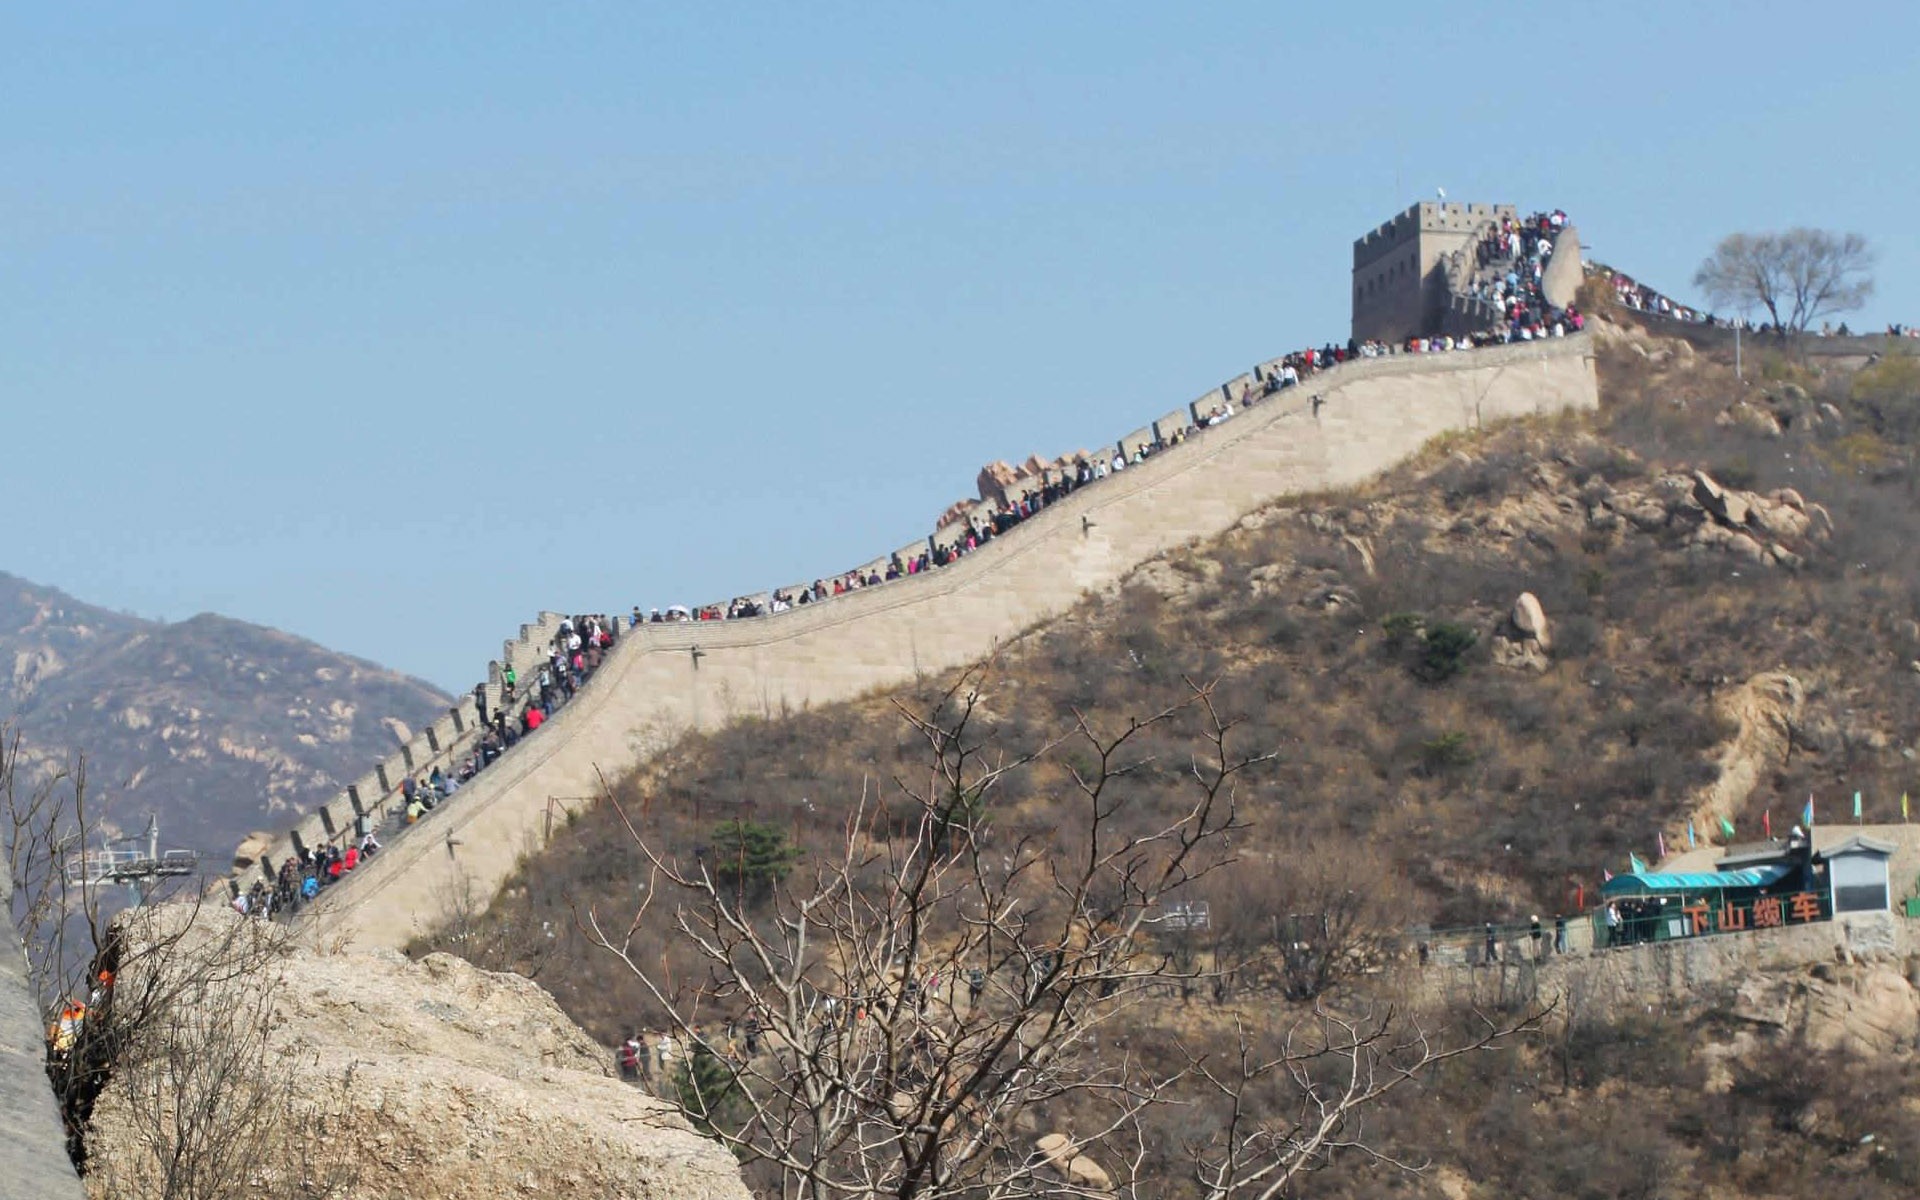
[465, 1083]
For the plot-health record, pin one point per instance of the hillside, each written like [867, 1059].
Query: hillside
[218, 726]
[1724, 618]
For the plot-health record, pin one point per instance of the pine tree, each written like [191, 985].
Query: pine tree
[750, 858]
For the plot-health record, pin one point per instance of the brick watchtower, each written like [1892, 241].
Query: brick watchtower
[1400, 286]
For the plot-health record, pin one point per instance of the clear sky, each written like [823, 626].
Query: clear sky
[390, 325]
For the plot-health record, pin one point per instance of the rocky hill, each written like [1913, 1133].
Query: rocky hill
[310, 1073]
[1483, 677]
[218, 726]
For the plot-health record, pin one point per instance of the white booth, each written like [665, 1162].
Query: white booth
[1857, 874]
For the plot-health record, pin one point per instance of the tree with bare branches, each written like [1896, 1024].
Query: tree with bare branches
[1798, 276]
[169, 1013]
[1281, 1114]
[922, 1001]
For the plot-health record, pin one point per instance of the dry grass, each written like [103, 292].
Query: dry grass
[1486, 796]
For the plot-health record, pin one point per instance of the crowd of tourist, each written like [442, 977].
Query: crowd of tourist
[950, 545]
[583, 641]
[1638, 297]
[1510, 265]
[574, 654]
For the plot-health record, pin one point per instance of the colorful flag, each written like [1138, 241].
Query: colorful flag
[1639, 868]
[1606, 876]
[1766, 822]
[1726, 827]
[1856, 806]
[1689, 833]
[1806, 814]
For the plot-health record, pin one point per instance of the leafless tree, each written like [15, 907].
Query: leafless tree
[1305, 924]
[1798, 276]
[202, 1105]
[48, 821]
[919, 1001]
[1283, 1113]
[150, 1002]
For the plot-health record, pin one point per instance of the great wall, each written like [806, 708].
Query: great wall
[660, 681]
[1436, 236]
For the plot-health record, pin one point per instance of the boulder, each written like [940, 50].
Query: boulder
[1747, 548]
[1748, 416]
[1561, 279]
[1780, 520]
[1518, 655]
[1083, 1172]
[1646, 514]
[1723, 504]
[251, 848]
[1530, 619]
[1057, 1149]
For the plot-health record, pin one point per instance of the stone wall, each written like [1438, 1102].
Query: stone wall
[661, 681]
[33, 1146]
[1707, 971]
[1399, 281]
[443, 744]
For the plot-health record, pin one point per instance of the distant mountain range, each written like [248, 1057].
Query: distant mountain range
[218, 726]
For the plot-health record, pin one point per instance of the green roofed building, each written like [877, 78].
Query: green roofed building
[1758, 886]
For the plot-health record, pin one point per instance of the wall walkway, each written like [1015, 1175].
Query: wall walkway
[661, 681]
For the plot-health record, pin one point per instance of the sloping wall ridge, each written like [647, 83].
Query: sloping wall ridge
[443, 744]
[661, 681]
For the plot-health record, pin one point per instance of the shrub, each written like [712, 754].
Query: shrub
[751, 858]
[1445, 753]
[1443, 654]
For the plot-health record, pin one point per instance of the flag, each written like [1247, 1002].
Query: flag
[1689, 833]
[1606, 876]
[1766, 822]
[1903, 806]
[1806, 814]
[1856, 806]
[1639, 868]
[1660, 840]
[1726, 827]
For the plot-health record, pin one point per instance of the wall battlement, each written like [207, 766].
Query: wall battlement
[365, 802]
[654, 687]
[1429, 216]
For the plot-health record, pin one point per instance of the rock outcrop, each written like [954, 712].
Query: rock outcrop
[463, 1083]
[1763, 713]
[1523, 640]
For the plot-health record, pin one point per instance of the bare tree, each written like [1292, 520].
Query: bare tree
[1331, 909]
[48, 821]
[171, 1011]
[917, 1003]
[203, 1106]
[1282, 1114]
[1798, 276]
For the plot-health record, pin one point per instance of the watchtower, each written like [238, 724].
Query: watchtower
[1400, 287]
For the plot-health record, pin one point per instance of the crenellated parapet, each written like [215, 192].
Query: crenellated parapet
[660, 681]
[448, 741]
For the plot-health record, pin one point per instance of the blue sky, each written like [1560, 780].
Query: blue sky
[391, 325]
